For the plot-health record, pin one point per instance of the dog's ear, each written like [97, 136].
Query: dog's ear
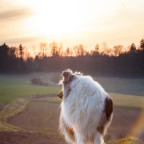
[68, 76]
[65, 74]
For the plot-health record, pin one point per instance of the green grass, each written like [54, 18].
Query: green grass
[17, 86]
[49, 99]
[12, 109]
[126, 86]
[127, 100]
[119, 100]
[127, 140]
[15, 89]
[12, 88]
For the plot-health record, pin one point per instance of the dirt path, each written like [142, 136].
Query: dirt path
[28, 138]
[40, 116]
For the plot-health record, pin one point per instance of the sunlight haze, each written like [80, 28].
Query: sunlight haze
[74, 22]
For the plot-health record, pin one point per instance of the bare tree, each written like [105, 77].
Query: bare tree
[43, 49]
[54, 49]
[96, 50]
[117, 50]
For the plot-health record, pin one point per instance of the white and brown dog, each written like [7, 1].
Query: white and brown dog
[86, 109]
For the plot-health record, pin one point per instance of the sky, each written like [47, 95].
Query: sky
[71, 22]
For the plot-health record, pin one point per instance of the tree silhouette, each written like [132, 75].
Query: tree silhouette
[43, 49]
[95, 52]
[126, 63]
[142, 44]
[4, 51]
[54, 49]
[12, 52]
[132, 48]
[60, 50]
[117, 50]
[67, 52]
[21, 51]
[79, 50]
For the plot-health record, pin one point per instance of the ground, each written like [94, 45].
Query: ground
[37, 123]
[28, 138]
[34, 119]
[42, 117]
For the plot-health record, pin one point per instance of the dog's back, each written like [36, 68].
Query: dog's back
[86, 108]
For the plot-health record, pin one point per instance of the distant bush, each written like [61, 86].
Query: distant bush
[38, 81]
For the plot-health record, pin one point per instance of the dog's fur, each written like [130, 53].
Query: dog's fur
[86, 109]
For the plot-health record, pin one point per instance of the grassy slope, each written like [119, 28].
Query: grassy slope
[122, 85]
[12, 88]
[12, 109]
[16, 86]
[127, 140]
[127, 100]
[118, 100]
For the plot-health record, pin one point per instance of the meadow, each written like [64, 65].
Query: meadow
[13, 87]
[17, 86]
[34, 108]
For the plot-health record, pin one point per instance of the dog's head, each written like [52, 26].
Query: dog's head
[67, 77]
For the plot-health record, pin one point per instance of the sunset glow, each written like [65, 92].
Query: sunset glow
[92, 51]
[61, 18]
[74, 22]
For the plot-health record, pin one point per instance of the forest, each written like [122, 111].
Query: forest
[112, 62]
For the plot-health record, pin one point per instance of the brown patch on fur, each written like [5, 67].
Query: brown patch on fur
[101, 129]
[67, 76]
[67, 130]
[71, 131]
[106, 115]
[108, 107]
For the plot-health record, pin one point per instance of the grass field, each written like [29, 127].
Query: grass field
[128, 86]
[12, 88]
[15, 90]
[125, 92]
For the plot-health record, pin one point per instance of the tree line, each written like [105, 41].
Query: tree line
[116, 61]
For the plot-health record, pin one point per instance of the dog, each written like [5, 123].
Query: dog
[86, 109]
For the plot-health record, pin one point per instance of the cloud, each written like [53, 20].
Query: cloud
[15, 14]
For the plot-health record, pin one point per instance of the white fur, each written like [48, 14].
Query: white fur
[82, 110]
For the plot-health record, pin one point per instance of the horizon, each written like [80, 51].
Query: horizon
[72, 22]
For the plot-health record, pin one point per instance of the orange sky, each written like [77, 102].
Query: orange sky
[71, 22]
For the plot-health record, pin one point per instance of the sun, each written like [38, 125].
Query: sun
[62, 18]
[56, 18]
